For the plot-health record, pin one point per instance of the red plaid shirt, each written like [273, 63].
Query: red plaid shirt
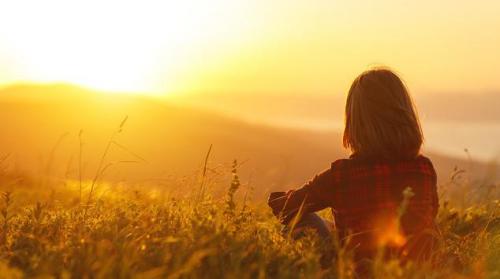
[363, 193]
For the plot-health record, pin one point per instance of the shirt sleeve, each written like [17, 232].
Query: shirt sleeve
[311, 197]
[435, 200]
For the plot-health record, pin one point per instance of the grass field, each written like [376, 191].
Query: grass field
[49, 229]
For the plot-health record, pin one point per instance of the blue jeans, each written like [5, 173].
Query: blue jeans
[310, 221]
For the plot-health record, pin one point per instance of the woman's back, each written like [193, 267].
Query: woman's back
[385, 194]
[375, 203]
[392, 201]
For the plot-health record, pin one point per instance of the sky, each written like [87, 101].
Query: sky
[253, 47]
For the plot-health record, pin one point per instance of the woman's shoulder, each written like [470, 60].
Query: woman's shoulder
[426, 165]
[339, 163]
[358, 161]
[423, 158]
[424, 161]
[357, 168]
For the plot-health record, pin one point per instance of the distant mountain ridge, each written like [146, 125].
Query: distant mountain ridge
[173, 139]
[441, 107]
[460, 107]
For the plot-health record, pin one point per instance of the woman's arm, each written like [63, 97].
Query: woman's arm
[311, 197]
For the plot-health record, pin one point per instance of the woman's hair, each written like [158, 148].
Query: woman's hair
[380, 118]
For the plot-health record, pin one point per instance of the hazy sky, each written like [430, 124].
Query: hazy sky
[256, 46]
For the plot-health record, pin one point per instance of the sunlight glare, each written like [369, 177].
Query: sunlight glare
[111, 45]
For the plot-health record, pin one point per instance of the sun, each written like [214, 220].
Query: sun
[113, 46]
[106, 45]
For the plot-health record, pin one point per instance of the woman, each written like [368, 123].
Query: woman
[365, 191]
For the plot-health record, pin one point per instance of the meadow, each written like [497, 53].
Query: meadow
[156, 204]
[61, 228]
[141, 139]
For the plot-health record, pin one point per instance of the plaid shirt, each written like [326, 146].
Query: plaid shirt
[362, 193]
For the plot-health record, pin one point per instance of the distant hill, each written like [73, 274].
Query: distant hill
[40, 124]
[448, 107]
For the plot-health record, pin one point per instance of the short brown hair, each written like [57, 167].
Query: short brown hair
[380, 118]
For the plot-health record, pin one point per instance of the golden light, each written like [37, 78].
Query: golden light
[390, 233]
[237, 46]
[116, 46]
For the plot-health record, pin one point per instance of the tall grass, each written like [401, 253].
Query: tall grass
[149, 232]
[133, 234]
